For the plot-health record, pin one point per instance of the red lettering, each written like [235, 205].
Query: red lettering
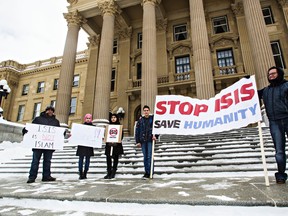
[161, 109]
[182, 109]
[245, 91]
[200, 108]
[173, 106]
[225, 99]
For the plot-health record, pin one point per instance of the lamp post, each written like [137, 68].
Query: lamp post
[4, 89]
[120, 113]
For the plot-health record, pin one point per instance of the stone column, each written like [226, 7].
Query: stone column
[259, 40]
[244, 38]
[149, 55]
[104, 69]
[201, 51]
[284, 5]
[88, 104]
[63, 98]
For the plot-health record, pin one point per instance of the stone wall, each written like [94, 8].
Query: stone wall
[10, 132]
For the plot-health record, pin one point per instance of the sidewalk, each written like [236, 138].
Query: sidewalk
[237, 191]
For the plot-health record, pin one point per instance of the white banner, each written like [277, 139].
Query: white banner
[234, 107]
[86, 135]
[44, 137]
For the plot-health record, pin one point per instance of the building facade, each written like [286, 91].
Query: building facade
[140, 48]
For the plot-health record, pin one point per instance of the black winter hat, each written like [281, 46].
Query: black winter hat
[50, 107]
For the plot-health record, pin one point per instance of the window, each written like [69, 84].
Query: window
[180, 32]
[36, 110]
[41, 86]
[76, 81]
[55, 84]
[115, 47]
[225, 60]
[182, 66]
[220, 25]
[277, 54]
[73, 105]
[25, 89]
[53, 103]
[268, 17]
[113, 80]
[139, 70]
[21, 111]
[139, 41]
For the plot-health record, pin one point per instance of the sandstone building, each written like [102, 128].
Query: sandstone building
[140, 48]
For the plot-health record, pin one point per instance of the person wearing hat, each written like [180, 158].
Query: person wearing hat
[46, 117]
[275, 98]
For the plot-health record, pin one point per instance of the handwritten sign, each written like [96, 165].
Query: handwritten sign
[44, 137]
[234, 107]
[114, 133]
[86, 135]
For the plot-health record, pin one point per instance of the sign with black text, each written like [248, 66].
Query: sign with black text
[113, 133]
[44, 137]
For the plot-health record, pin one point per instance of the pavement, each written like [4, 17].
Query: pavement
[232, 191]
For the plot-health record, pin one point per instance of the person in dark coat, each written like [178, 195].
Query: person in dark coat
[275, 98]
[85, 151]
[113, 150]
[46, 117]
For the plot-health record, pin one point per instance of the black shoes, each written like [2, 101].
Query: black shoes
[30, 181]
[48, 179]
[280, 181]
[146, 176]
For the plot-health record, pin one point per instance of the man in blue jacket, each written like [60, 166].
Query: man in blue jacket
[275, 98]
[144, 138]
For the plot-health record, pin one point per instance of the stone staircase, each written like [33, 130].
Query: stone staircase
[233, 152]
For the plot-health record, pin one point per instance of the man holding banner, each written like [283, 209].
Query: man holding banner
[144, 138]
[46, 117]
[275, 98]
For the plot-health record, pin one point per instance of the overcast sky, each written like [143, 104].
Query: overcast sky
[34, 30]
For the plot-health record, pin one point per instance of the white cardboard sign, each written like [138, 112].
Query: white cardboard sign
[86, 135]
[114, 133]
[44, 137]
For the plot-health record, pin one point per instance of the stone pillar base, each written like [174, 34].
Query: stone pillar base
[100, 122]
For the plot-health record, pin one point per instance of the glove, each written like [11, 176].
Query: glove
[247, 76]
[24, 131]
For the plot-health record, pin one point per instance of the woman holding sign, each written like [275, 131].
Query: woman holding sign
[85, 151]
[113, 150]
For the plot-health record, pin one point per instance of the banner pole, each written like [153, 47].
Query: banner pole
[152, 159]
[263, 154]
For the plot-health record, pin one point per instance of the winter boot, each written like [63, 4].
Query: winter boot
[113, 173]
[108, 176]
[81, 175]
[85, 174]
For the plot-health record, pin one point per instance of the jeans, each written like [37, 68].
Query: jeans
[278, 130]
[147, 155]
[109, 162]
[87, 163]
[37, 153]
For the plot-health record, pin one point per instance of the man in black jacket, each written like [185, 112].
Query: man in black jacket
[46, 118]
[275, 98]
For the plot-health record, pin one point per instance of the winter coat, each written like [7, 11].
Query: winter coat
[45, 119]
[275, 98]
[143, 131]
[117, 147]
[85, 150]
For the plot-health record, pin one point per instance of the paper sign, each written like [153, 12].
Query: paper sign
[44, 137]
[86, 135]
[114, 133]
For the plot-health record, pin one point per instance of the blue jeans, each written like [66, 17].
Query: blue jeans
[87, 163]
[147, 155]
[47, 156]
[279, 130]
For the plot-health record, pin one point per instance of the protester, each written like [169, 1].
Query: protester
[113, 151]
[85, 151]
[144, 138]
[46, 117]
[275, 98]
